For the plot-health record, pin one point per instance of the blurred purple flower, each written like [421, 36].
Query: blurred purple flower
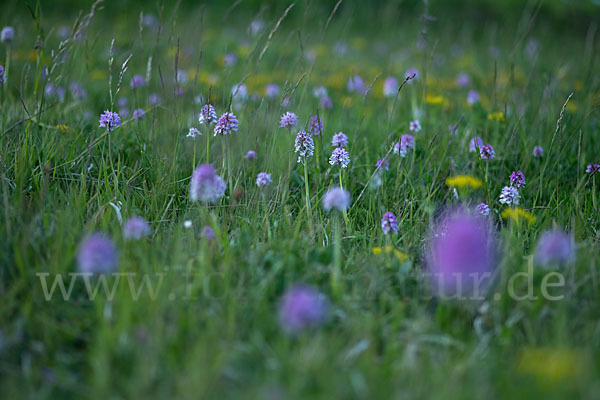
[538, 151]
[139, 114]
[208, 115]
[390, 87]
[554, 247]
[288, 120]
[475, 144]
[463, 80]
[326, 102]
[472, 97]
[272, 90]
[411, 72]
[206, 186]
[250, 155]
[414, 126]
[355, 84]
[136, 228]
[137, 81]
[193, 132]
[461, 252]
[315, 126]
[263, 179]
[382, 164]
[7, 35]
[339, 140]
[97, 255]
[302, 308]
[336, 198]
[207, 233]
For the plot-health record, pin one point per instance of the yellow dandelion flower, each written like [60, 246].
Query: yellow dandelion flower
[497, 116]
[461, 181]
[402, 257]
[516, 214]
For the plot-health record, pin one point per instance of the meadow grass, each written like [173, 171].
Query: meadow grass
[216, 334]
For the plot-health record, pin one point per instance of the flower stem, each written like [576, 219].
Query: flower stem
[308, 207]
[337, 258]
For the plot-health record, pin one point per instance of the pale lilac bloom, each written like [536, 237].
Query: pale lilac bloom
[390, 87]
[340, 157]
[339, 140]
[336, 198]
[554, 247]
[517, 179]
[326, 102]
[77, 91]
[263, 179]
[592, 168]
[288, 120]
[487, 152]
[483, 209]
[122, 102]
[193, 132]
[97, 255]
[154, 99]
[272, 90]
[304, 145]
[320, 92]
[206, 186]
[510, 196]
[406, 143]
[382, 164]
[315, 126]
[472, 97]
[7, 35]
[414, 126]
[208, 115]
[250, 155]
[109, 120]
[136, 228]
[230, 59]
[389, 224]
[475, 144]
[207, 233]
[137, 81]
[538, 151]
[123, 112]
[411, 72]
[302, 308]
[139, 114]
[239, 93]
[355, 84]
[226, 125]
[463, 80]
[461, 252]
[2, 75]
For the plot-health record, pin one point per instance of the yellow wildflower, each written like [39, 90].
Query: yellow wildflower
[461, 181]
[390, 249]
[549, 365]
[98, 74]
[62, 128]
[430, 99]
[497, 116]
[516, 214]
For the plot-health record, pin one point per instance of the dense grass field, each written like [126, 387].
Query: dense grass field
[222, 286]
